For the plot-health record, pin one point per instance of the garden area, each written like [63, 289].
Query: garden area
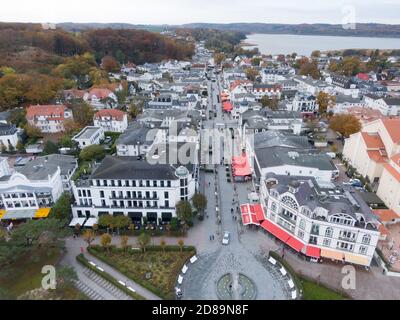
[154, 267]
[23, 253]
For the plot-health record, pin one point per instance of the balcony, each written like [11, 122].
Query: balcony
[347, 239]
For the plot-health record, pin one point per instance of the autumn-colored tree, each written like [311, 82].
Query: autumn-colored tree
[349, 66]
[325, 100]
[124, 242]
[345, 124]
[134, 110]
[181, 243]
[268, 102]
[70, 126]
[143, 241]
[83, 113]
[256, 61]
[110, 64]
[199, 202]
[105, 241]
[95, 228]
[252, 73]
[88, 236]
[219, 58]
[163, 243]
[316, 54]
[32, 132]
[309, 68]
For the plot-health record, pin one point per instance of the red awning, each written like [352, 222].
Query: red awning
[227, 106]
[248, 215]
[313, 252]
[275, 230]
[258, 209]
[295, 244]
[241, 166]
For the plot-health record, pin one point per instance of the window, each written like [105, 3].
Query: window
[169, 184]
[300, 234]
[327, 242]
[329, 232]
[366, 239]
[273, 206]
[302, 224]
[290, 202]
[313, 240]
[101, 194]
[363, 250]
[166, 195]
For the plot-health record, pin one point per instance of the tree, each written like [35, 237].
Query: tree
[93, 152]
[106, 221]
[110, 64]
[316, 54]
[181, 243]
[20, 147]
[124, 242]
[88, 236]
[50, 148]
[325, 100]
[18, 117]
[95, 228]
[269, 103]
[62, 208]
[219, 57]
[65, 276]
[121, 222]
[163, 243]
[349, 66]
[105, 241]
[256, 61]
[252, 73]
[309, 68]
[345, 124]
[32, 132]
[66, 142]
[134, 111]
[199, 202]
[83, 114]
[143, 240]
[184, 211]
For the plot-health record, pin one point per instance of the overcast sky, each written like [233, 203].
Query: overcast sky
[186, 11]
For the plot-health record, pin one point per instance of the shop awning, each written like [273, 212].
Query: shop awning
[42, 213]
[90, 222]
[241, 166]
[76, 221]
[276, 231]
[227, 106]
[295, 244]
[313, 252]
[259, 211]
[356, 259]
[18, 214]
[332, 254]
[248, 215]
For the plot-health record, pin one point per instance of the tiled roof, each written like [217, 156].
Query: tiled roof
[386, 215]
[113, 113]
[393, 172]
[99, 93]
[372, 141]
[393, 128]
[45, 110]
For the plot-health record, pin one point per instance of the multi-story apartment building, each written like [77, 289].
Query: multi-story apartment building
[111, 120]
[48, 118]
[370, 149]
[36, 185]
[134, 188]
[270, 90]
[320, 222]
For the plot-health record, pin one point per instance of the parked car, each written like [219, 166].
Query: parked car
[226, 238]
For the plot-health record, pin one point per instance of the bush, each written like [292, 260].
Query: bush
[94, 152]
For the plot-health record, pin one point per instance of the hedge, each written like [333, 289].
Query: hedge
[81, 259]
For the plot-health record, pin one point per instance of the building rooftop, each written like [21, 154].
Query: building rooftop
[86, 133]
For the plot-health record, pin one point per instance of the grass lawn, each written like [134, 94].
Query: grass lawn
[313, 291]
[162, 268]
[25, 274]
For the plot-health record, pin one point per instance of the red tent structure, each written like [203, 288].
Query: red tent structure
[241, 168]
[227, 106]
